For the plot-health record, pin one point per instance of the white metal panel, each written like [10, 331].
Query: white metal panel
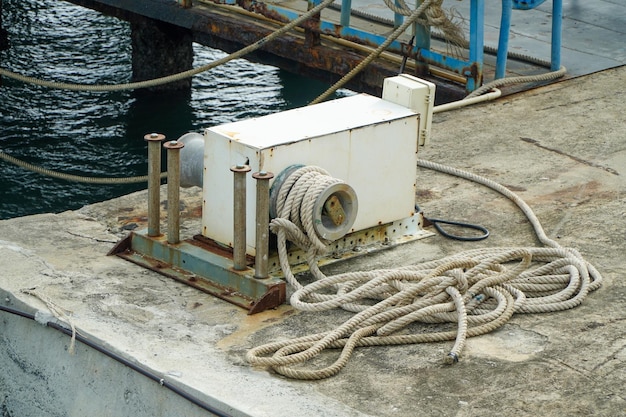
[367, 142]
[313, 121]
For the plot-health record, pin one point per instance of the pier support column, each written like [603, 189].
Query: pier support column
[4, 36]
[160, 49]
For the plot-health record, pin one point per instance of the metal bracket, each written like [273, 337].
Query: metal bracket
[200, 264]
[359, 243]
[208, 266]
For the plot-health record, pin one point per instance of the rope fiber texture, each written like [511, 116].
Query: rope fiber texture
[76, 178]
[414, 15]
[523, 79]
[464, 295]
[294, 221]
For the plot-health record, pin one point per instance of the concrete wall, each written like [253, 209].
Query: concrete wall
[39, 377]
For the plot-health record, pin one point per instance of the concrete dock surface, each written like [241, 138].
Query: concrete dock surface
[561, 147]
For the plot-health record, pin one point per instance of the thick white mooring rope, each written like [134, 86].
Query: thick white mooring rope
[478, 290]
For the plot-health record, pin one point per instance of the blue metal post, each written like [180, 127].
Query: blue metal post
[422, 40]
[557, 21]
[313, 3]
[398, 19]
[503, 42]
[477, 38]
[346, 9]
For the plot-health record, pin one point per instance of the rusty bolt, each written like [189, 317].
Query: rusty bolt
[240, 168]
[156, 137]
[173, 144]
[263, 175]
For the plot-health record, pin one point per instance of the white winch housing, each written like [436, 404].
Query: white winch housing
[368, 142]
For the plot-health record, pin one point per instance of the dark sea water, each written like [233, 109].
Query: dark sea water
[101, 133]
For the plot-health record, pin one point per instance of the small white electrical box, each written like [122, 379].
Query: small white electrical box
[415, 94]
[369, 143]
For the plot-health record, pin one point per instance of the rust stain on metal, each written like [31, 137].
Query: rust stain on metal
[274, 297]
[123, 246]
[262, 9]
[334, 210]
[217, 248]
[471, 71]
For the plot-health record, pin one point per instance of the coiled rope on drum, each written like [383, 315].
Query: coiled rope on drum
[294, 221]
[477, 290]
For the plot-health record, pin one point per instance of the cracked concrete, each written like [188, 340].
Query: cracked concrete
[554, 364]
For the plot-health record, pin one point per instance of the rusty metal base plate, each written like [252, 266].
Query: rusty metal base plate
[377, 238]
[208, 266]
[197, 265]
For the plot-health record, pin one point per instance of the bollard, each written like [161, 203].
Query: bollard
[154, 182]
[239, 216]
[173, 190]
[262, 223]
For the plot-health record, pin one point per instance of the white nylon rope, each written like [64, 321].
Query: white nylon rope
[478, 290]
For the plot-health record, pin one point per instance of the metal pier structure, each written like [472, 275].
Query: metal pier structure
[511, 38]
[334, 42]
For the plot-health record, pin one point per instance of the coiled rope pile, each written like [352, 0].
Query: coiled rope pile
[476, 291]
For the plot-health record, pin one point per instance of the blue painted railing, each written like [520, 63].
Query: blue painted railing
[505, 27]
[471, 69]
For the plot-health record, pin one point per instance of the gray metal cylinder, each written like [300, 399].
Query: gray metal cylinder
[191, 160]
[154, 182]
[173, 190]
[334, 211]
[261, 260]
[239, 216]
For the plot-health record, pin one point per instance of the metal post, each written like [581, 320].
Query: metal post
[173, 190]
[503, 41]
[557, 28]
[262, 223]
[476, 47]
[398, 19]
[154, 182]
[346, 9]
[239, 216]
[422, 42]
